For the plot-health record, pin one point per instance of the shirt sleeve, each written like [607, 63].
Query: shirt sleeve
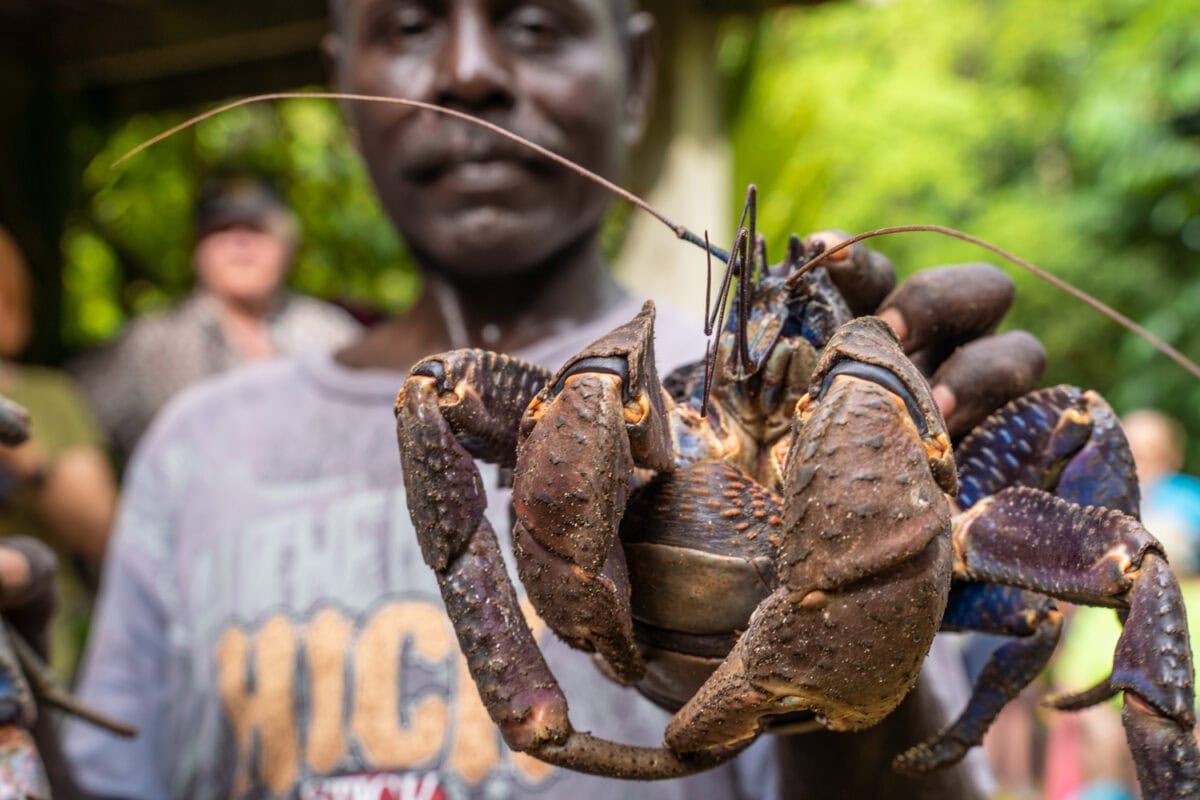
[125, 670]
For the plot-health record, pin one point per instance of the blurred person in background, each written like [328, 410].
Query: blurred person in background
[239, 312]
[1170, 499]
[58, 486]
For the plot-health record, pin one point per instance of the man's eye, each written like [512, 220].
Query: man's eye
[533, 26]
[408, 22]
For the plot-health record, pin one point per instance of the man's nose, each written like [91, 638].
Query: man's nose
[474, 69]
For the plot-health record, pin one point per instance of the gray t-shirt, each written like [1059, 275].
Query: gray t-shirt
[268, 623]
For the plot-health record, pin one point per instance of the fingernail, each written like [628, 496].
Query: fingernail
[943, 395]
[895, 321]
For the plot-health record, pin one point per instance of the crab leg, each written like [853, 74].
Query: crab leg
[1102, 557]
[1060, 439]
[999, 610]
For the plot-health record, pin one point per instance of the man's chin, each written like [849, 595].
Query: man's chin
[489, 242]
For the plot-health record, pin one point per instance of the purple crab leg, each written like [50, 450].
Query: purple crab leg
[1013, 666]
[1061, 439]
[1027, 538]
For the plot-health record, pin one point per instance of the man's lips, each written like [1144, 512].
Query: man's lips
[480, 175]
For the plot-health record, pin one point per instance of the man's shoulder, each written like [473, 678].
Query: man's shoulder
[304, 310]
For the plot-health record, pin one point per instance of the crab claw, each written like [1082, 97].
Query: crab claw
[582, 436]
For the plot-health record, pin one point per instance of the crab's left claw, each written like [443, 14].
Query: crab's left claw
[453, 408]
[869, 453]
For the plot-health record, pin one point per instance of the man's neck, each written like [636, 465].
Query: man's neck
[245, 327]
[503, 315]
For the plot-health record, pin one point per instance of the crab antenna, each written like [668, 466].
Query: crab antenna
[679, 230]
[726, 279]
[743, 290]
[1170, 352]
[733, 268]
[707, 287]
[795, 254]
[751, 208]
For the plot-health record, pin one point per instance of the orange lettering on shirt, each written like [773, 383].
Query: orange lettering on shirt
[266, 709]
[326, 638]
[393, 736]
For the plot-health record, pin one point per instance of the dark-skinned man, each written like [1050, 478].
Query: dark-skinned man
[266, 618]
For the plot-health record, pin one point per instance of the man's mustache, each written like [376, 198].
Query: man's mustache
[432, 145]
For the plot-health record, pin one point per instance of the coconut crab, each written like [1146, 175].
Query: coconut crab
[783, 555]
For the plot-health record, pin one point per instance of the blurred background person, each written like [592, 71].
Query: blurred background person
[57, 486]
[238, 312]
[1170, 499]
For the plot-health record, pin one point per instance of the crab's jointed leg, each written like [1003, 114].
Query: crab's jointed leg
[1028, 538]
[1060, 439]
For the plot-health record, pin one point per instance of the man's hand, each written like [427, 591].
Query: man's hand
[944, 318]
[27, 593]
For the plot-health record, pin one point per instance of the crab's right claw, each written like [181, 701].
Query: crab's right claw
[582, 437]
[452, 408]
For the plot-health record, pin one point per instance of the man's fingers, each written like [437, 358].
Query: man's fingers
[863, 276]
[943, 307]
[27, 592]
[984, 375]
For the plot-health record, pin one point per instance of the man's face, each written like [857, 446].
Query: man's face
[554, 71]
[242, 264]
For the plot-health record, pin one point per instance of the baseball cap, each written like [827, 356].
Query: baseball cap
[242, 200]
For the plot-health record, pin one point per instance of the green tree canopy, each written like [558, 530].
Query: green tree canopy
[1069, 136]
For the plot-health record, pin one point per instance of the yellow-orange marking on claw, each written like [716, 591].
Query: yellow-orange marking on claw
[937, 447]
[636, 410]
[1120, 554]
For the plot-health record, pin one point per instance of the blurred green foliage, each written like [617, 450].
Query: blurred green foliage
[129, 249]
[1070, 136]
